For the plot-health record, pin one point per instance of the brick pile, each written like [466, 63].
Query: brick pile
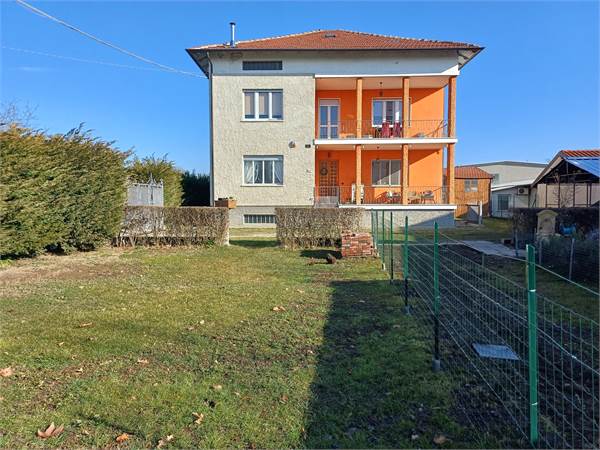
[357, 245]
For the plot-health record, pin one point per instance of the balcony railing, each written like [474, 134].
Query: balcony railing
[365, 129]
[376, 195]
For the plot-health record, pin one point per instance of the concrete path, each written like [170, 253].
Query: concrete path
[493, 248]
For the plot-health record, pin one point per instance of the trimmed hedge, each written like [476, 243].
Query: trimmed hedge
[158, 225]
[160, 169]
[58, 192]
[314, 227]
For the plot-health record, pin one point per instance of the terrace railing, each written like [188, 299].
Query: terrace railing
[366, 129]
[379, 195]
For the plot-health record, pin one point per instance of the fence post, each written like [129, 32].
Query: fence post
[382, 240]
[571, 259]
[406, 305]
[436, 301]
[533, 354]
[391, 246]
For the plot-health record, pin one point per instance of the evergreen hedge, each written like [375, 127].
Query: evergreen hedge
[160, 169]
[58, 192]
[315, 227]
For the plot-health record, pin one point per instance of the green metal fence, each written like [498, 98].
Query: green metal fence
[524, 368]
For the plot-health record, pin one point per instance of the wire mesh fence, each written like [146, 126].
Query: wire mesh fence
[524, 367]
[574, 258]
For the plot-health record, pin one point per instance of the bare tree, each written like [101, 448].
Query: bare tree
[12, 113]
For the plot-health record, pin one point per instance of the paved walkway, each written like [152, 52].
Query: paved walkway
[493, 248]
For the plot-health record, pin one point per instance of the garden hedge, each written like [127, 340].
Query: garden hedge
[58, 192]
[313, 227]
[156, 225]
[585, 219]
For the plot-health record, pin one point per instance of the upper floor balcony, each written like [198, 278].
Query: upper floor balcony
[385, 110]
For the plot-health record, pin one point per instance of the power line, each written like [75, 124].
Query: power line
[72, 58]
[103, 42]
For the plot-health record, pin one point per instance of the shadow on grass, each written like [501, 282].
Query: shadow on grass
[373, 385]
[254, 242]
[320, 253]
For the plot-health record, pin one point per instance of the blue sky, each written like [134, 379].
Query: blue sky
[533, 91]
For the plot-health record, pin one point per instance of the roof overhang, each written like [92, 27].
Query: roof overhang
[464, 55]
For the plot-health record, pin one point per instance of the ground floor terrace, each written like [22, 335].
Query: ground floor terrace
[383, 175]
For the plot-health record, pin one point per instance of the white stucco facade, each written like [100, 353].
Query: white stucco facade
[234, 137]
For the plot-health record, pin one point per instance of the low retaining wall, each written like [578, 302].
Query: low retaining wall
[418, 217]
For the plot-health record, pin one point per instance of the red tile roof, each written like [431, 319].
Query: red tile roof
[470, 172]
[592, 153]
[338, 40]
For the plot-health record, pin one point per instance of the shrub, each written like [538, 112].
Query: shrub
[196, 189]
[58, 191]
[156, 225]
[313, 227]
[585, 219]
[140, 171]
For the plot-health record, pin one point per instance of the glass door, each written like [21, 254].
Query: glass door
[329, 119]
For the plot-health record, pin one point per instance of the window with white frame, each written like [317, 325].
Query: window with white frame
[263, 170]
[263, 104]
[387, 110]
[471, 185]
[385, 172]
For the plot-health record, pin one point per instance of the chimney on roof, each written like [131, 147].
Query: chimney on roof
[232, 38]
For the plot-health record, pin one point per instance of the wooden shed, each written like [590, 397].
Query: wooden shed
[472, 185]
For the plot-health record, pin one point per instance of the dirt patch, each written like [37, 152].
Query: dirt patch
[76, 266]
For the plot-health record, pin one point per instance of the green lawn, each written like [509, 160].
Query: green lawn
[136, 341]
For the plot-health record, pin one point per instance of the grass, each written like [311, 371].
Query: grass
[136, 341]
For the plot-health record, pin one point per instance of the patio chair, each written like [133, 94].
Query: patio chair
[397, 130]
[385, 130]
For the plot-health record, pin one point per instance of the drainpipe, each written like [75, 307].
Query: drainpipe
[211, 134]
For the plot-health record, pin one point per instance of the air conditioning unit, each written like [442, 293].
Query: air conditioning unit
[522, 191]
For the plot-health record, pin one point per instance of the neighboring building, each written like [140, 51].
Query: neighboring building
[510, 187]
[473, 188]
[569, 180]
[334, 117]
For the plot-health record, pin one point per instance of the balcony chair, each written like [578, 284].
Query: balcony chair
[385, 130]
[397, 130]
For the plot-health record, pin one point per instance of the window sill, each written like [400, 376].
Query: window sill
[262, 185]
[262, 120]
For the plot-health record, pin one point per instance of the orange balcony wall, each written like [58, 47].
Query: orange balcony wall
[424, 165]
[427, 104]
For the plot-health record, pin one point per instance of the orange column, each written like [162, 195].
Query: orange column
[358, 182]
[405, 106]
[452, 107]
[359, 85]
[404, 174]
[451, 133]
[450, 172]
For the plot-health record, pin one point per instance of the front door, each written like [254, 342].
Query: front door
[329, 119]
[328, 190]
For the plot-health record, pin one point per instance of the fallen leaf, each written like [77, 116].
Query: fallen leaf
[414, 437]
[60, 344]
[278, 308]
[142, 361]
[191, 328]
[85, 325]
[6, 372]
[80, 370]
[201, 322]
[440, 439]
[199, 418]
[300, 291]
[122, 437]
[162, 442]
[284, 398]
[51, 431]
[217, 387]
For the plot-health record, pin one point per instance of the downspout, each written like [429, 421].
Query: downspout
[211, 134]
